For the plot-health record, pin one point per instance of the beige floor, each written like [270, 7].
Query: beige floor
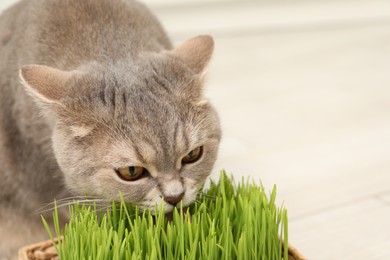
[303, 90]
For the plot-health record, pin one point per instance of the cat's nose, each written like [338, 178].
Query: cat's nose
[173, 200]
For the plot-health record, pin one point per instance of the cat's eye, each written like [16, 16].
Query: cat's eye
[193, 156]
[131, 173]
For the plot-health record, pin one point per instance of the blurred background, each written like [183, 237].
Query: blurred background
[303, 91]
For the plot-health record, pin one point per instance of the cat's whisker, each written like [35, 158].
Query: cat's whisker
[68, 202]
[201, 202]
[57, 201]
[79, 196]
[104, 208]
[208, 196]
[80, 199]
[52, 208]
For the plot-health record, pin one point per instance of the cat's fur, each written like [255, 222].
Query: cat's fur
[108, 92]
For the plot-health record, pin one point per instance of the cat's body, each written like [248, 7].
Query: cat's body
[112, 99]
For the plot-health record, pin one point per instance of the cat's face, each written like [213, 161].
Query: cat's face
[142, 129]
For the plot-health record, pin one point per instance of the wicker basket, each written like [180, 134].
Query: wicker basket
[45, 251]
[40, 251]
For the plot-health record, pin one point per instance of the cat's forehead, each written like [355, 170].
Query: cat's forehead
[160, 76]
[153, 135]
[145, 105]
[146, 66]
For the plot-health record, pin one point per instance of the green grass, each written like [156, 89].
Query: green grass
[228, 222]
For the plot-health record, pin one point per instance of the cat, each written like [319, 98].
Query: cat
[95, 100]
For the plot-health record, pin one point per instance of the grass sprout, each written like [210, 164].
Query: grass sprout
[227, 221]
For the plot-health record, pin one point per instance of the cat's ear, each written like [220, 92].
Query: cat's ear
[46, 84]
[196, 53]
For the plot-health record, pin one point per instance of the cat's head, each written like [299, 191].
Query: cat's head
[139, 126]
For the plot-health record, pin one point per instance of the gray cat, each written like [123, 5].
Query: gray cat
[108, 107]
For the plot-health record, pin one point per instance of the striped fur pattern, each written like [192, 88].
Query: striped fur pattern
[88, 87]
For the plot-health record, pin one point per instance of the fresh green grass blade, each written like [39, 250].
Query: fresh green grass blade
[228, 221]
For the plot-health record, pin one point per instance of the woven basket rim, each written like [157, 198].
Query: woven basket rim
[28, 252]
